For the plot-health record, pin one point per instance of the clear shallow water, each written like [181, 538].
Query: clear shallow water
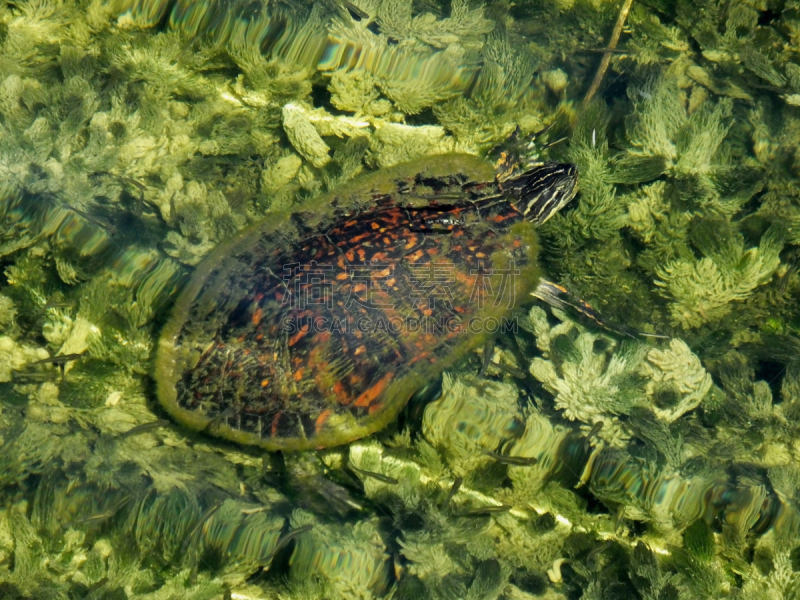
[666, 466]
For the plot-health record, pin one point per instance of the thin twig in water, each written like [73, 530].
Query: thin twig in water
[612, 45]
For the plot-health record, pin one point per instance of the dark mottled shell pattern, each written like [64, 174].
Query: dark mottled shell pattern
[315, 327]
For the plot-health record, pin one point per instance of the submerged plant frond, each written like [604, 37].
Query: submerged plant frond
[703, 290]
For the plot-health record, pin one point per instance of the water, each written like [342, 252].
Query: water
[648, 454]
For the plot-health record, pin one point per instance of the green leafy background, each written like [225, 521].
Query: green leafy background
[132, 143]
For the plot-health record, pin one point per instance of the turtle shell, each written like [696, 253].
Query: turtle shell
[314, 327]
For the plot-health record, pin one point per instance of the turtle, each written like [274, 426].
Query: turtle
[314, 327]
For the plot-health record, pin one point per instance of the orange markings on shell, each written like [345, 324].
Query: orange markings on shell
[297, 336]
[323, 416]
[304, 386]
[372, 393]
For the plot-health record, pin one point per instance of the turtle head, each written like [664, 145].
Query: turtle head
[540, 192]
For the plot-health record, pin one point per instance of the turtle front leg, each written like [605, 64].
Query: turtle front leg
[561, 298]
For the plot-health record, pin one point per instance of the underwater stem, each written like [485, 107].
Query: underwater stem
[612, 44]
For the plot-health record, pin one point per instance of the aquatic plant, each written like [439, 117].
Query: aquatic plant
[704, 290]
[595, 386]
[120, 117]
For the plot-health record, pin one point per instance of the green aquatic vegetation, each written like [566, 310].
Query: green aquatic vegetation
[590, 250]
[356, 92]
[16, 235]
[36, 445]
[684, 140]
[593, 379]
[15, 355]
[777, 577]
[110, 316]
[237, 539]
[446, 535]
[8, 313]
[202, 217]
[647, 209]
[464, 27]
[348, 162]
[183, 134]
[699, 567]
[430, 54]
[599, 215]
[148, 487]
[743, 52]
[65, 334]
[28, 278]
[395, 143]
[157, 114]
[412, 95]
[688, 143]
[654, 39]
[163, 67]
[703, 290]
[450, 539]
[753, 425]
[304, 137]
[325, 548]
[504, 95]
[486, 416]
[435, 56]
[775, 136]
